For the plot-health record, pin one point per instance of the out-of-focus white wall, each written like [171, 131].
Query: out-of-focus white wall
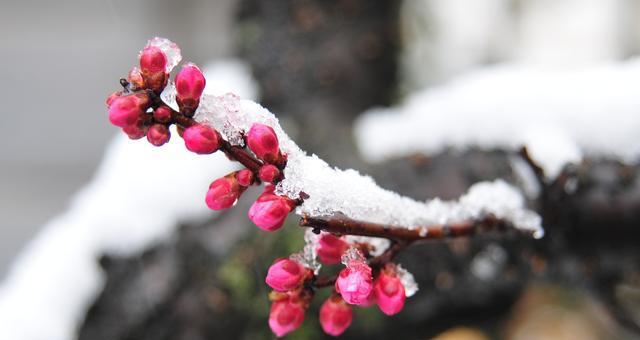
[443, 39]
[58, 62]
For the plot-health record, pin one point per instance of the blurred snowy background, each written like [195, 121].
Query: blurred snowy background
[60, 59]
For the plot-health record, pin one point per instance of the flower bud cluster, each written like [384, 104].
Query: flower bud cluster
[139, 111]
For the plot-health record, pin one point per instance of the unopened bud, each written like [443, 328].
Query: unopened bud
[201, 139]
[389, 291]
[158, 134]
[153, 63]
[269, 211]
[285, 275]
[335, 316]
[262, 140]
[286, 315]
[162, 114]
[190, 83]
[223, 192]
[268, 173]
[245, 177]
[126, 110]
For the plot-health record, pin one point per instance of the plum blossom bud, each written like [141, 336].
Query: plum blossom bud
[125, 110]
[262, 140]
[201, 139]
[355, 282]
[152, 60]
[158, 134]
[269, 211]
[244, 177]
[137, 130]
[286, 274]
[389, 291]
[153, 64]
[135, 79]
[335, 315]
[331, 248]
[286, 315]
[162, 114]
[268, 173]
[223, 192]
[113, 96]
[190, 83]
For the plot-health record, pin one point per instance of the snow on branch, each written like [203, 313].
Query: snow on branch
[351, 207]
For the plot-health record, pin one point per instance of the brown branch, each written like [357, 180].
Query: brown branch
[537, 169]
[342, 225]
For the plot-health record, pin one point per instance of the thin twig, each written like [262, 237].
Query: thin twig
[342, 225]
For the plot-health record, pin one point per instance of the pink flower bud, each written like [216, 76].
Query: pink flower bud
[153, 64]
[125, 110]
[152, 60]
[269, 211]
[355, 283]
[137, 130]
[285, 275]
[135, 79]
[190, 83]
[245, 177]
[268, 173]
[223, 192]
[286, 315]
[262, 140]
[158, 134]
[201, 139]
[162, 114]
[331, 248]
[335, 316]
[113, 96]
[389, 291]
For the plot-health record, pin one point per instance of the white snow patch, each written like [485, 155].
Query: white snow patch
[560, 115]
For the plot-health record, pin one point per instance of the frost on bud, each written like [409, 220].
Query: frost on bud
[335, 315]
[137, 130]
[190, 83]
[269, 211]
[244, 177]
[158, 134]
[201, 139]
[355, 282]
[162, 114]
[331, 248]
[268, 173]
[287, 313]
[126, 110]
[389, 291]
[153, 63]
[135, 79]
[286, 274]
[262, 140]
[223, 192]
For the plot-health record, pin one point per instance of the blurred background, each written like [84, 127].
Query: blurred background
[320, 65]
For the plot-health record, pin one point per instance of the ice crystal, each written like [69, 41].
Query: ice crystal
[408, 281]
[308, 256]
[170, 49]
